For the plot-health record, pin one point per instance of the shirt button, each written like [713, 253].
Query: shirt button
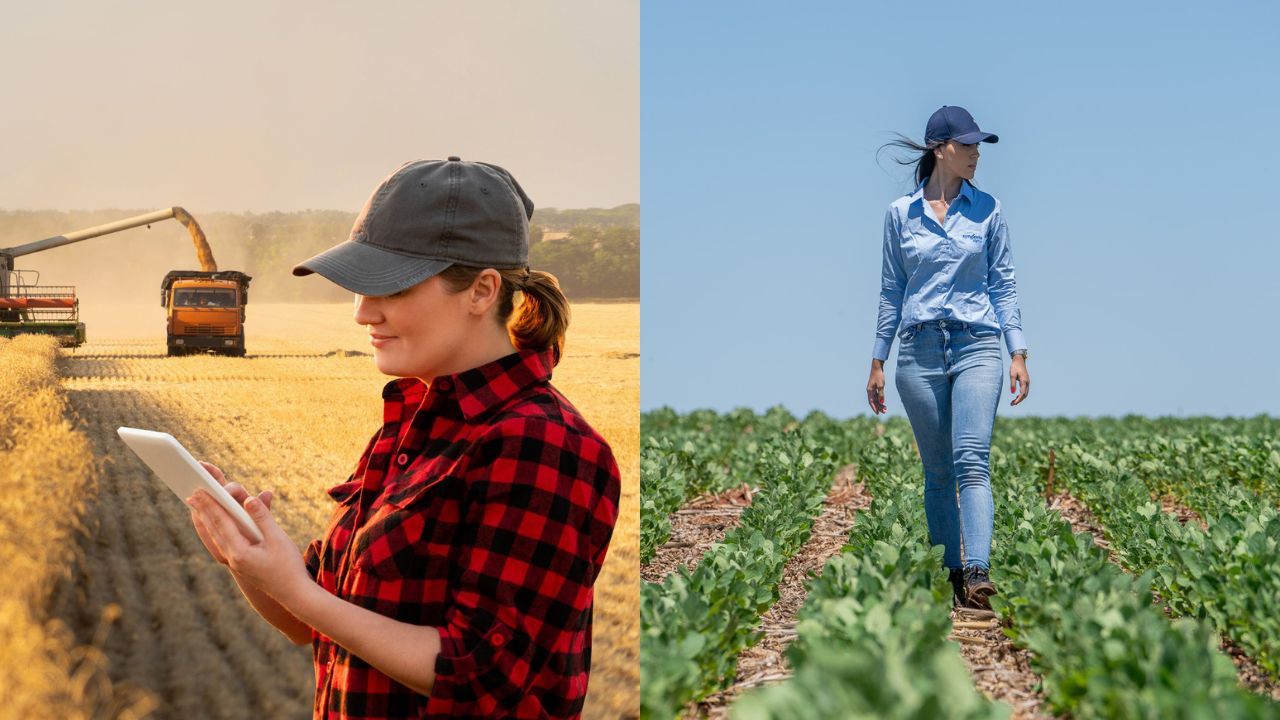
[444, 385]
[402, 460]
[498, 640]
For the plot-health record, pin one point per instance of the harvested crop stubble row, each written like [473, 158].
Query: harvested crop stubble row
[178, 603]
[46, 470]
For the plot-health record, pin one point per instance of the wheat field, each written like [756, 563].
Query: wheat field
[46, 473]
[292, 416]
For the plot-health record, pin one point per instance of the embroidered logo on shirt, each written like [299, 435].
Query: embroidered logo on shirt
[971, 242]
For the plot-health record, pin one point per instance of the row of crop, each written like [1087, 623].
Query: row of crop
[666, 422]
[1200, 454]
[1228, 574]
[871, 636]
[1198, 469]
[683, 456]
[1103, 649]
[1231, 482]
[696, 622]
[49, 476]
[715, 443]
[664, 472]
[1225, 470]
[1114, 431]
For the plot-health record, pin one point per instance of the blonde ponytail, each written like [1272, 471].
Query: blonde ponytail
[542, 318]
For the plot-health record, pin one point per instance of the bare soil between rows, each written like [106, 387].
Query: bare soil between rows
[695, 527]
[766, 662]
[1000, 670]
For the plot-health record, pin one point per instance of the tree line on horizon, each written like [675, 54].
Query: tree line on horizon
[594, 252]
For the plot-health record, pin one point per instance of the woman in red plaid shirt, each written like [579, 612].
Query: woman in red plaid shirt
[455, 577]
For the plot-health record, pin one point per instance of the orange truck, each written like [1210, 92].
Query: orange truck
[205, 311]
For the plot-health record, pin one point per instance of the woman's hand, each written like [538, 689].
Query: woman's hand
[1018, 377]
[875, 387]
[274, 565]
[238, 493]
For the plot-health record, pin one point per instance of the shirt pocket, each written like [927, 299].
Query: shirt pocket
[387, 546]
[970, 241]
[391, 543]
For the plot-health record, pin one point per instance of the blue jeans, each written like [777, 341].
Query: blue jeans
[949, 377]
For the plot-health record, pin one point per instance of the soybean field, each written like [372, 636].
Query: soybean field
[787, 572]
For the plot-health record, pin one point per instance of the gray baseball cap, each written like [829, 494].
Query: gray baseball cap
[424, 217]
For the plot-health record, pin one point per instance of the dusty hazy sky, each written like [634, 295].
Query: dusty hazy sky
[288, 105]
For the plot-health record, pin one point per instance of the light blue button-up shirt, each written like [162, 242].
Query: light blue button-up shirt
[959, 269]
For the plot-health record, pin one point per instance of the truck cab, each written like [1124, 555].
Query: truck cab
[205, 311]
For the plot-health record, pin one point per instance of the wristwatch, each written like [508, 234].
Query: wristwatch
[1022, 352]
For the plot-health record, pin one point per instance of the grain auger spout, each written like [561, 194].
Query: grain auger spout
[203, 253]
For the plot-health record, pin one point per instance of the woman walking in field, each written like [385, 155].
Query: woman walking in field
[947, 290]
[455, 578]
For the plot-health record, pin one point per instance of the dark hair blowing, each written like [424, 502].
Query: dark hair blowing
[924, 160]
[544, 310]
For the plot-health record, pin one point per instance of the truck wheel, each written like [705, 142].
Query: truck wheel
[173, 351]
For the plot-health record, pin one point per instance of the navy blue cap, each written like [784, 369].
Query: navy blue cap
[952, 122]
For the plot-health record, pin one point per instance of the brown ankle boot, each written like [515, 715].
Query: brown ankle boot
[977, 588]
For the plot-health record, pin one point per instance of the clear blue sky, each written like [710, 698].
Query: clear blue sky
[1138, 168]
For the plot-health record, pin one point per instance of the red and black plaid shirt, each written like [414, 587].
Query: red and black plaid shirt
[483, 507]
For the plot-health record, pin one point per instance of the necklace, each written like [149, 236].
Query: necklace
[943, 199]
[946, 204]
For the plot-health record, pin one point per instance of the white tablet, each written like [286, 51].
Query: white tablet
[176, 468]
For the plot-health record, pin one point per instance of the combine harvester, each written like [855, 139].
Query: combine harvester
[204, 309]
